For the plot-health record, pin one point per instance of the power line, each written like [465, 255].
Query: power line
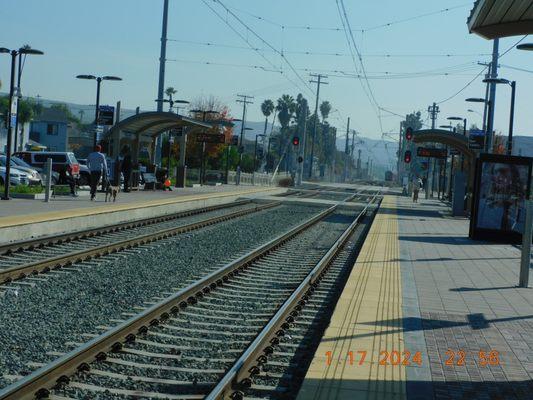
[386, 25]
[331, 54]
[253, 32]
[339, 29]
[481, 72]
[347, 29]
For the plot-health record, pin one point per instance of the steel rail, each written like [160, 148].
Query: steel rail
[45, 265]
[9, 248]
[240, 374]
[39, 383]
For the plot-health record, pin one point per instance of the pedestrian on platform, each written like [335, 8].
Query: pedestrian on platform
[417, 182]
[66, 178]
[98, 168]
[126, 168]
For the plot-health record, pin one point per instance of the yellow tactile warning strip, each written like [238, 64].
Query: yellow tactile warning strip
[362, 355]
[81, 212]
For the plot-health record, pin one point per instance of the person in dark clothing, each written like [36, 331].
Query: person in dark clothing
[66, 178]
[126, 168]
[98, 167]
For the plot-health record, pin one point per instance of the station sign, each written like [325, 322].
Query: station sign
[106, 115]
[210, 138]
[13, 112]
[427, 152]
[476, 139]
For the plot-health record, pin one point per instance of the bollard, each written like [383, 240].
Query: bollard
[48, 169]
[526, 246]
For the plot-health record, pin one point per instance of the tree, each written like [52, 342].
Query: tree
[414, 120]
[325, 109]
[286, 107]
[62, 107]
[267, 108]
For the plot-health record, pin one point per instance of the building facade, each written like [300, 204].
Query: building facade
[50, 129]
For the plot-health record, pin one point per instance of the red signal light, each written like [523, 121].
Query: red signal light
[295, 140]
[409, 133]
[407, 157]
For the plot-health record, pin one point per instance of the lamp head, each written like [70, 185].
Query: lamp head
[475, 100]
[111, 78]
[25, 50]
[86, 77]
[525, 46]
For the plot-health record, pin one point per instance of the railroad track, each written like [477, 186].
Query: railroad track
[208, 338]
[19, 260]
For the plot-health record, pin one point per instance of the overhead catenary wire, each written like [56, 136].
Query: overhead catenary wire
[332, 54]
[246, 41]
[340, 29]
[265, 42]
[481, 72]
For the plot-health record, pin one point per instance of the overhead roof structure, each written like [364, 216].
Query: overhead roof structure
[456, 140]
[154, 123]
[493, 19]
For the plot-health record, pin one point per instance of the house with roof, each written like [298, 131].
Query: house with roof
[50, 128]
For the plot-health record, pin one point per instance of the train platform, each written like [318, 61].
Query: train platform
[427, 313]
[22, 219]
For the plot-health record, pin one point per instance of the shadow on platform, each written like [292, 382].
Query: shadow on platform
[415, 389]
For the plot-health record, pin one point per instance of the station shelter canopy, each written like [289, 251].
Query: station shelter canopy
[140, 130]
[493, 19]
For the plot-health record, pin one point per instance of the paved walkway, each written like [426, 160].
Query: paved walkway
[436, 315]
[21, 211]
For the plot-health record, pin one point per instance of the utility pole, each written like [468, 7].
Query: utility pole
[334, 155]
[244, 99]
[400, 152]
[318, 82]
[346, 152]
[492, 96]
[433, 111]
[161, 86]
[351, 151]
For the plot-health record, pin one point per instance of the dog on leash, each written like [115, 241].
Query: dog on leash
[111, 192]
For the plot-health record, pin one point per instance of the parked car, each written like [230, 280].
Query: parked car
[16, 177]
[34, 178]
[85, 173]
[61, 160]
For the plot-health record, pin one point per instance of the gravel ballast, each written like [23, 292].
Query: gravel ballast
[58, 311]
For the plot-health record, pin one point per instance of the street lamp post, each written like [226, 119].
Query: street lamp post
[511, 113]
[99, 80]
[13, 109]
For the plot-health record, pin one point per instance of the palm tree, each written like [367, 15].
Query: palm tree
[170, 91]
[286, 108]
[267, 108]
[325, 109]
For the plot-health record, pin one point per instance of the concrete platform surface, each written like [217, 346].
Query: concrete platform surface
[21, 219]
[434, 314]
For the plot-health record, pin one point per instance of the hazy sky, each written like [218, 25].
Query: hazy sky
[122, 37]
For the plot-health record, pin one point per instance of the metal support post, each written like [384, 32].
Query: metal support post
[48, 169]
[525, 262]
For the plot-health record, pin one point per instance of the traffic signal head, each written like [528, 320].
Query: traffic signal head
[295, 140]
[407, 157]
[235, 140]
[409, 133]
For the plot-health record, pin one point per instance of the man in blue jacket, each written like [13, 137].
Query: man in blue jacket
[98, 168]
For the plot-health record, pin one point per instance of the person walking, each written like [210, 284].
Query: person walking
[98, 168]
[126, 168]
[416, 189]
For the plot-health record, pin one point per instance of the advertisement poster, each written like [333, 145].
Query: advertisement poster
[502, 187]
